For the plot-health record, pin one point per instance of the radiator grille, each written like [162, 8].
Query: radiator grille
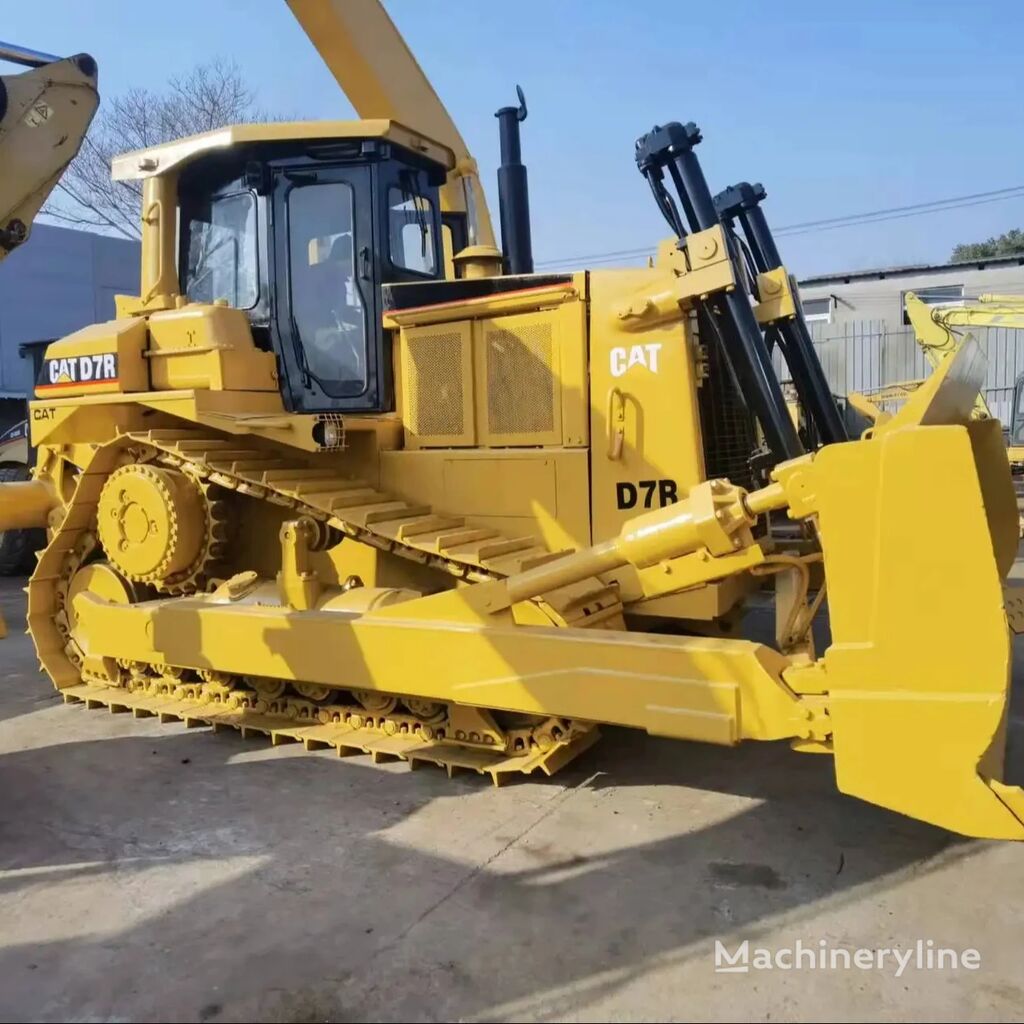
[726, 421]
[520, 381]
[435, 390]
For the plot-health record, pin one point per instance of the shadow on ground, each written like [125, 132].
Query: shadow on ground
[296, 888]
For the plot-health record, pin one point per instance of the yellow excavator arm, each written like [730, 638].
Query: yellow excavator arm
[371, 62]
[934, 326]
[44, 115]
[935, 331]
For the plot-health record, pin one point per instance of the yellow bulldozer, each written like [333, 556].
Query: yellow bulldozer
[344, 474]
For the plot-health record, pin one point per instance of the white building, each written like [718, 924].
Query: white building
[858, 321]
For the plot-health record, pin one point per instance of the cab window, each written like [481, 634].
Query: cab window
[411, 231]
[327, 306]
[222, 251]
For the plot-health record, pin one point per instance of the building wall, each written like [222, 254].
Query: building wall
[58, 281]
[866, 344]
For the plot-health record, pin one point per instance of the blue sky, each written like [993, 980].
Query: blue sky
[837, 108]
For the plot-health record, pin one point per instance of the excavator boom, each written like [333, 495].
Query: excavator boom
[44, 115]
[934, 326]
[378, 73]
[935, 332]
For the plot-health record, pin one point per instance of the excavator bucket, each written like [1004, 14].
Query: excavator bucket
[919, 530]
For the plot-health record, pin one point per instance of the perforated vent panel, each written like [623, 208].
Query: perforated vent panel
[435, 395]
[520, 380]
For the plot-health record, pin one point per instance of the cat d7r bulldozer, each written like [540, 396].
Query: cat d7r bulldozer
[334, 478]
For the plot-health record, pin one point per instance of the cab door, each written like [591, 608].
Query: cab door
[327, 309]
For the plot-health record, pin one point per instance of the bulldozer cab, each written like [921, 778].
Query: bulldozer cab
[302, 237]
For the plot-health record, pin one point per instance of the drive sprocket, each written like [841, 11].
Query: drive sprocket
[159, 526]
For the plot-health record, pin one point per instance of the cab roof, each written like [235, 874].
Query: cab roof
[173, 156]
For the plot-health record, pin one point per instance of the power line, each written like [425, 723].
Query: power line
[600, 257]
[901, 216]
[826, 224]
[924, 207]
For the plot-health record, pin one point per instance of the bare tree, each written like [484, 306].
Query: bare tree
[209, 96]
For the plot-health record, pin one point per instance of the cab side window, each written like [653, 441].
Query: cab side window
[411, 231]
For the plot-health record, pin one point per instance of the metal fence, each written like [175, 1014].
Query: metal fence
[862, 355]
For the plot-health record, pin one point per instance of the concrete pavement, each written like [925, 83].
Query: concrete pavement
[156, 873]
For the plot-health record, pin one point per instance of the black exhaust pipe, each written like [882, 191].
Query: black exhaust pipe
[513, 193]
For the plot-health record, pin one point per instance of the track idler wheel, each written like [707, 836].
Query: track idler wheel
[102, 580]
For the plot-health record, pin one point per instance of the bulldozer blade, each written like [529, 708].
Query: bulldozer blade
[918, 529]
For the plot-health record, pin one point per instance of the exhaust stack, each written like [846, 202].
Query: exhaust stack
[513, 194]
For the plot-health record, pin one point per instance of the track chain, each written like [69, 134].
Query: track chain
[354, 509]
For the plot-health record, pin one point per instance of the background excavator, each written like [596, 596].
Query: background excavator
[936, 331]
[336, 478]
[45, 113]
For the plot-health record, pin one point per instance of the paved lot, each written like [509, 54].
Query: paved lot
[155, 873]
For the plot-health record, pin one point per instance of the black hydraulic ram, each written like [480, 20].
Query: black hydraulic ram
[670, 147]
[742, 202]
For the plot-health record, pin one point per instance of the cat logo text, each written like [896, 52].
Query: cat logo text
[76, 371]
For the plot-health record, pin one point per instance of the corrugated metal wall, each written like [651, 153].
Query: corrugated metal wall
[58, 281]
[862, 355]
